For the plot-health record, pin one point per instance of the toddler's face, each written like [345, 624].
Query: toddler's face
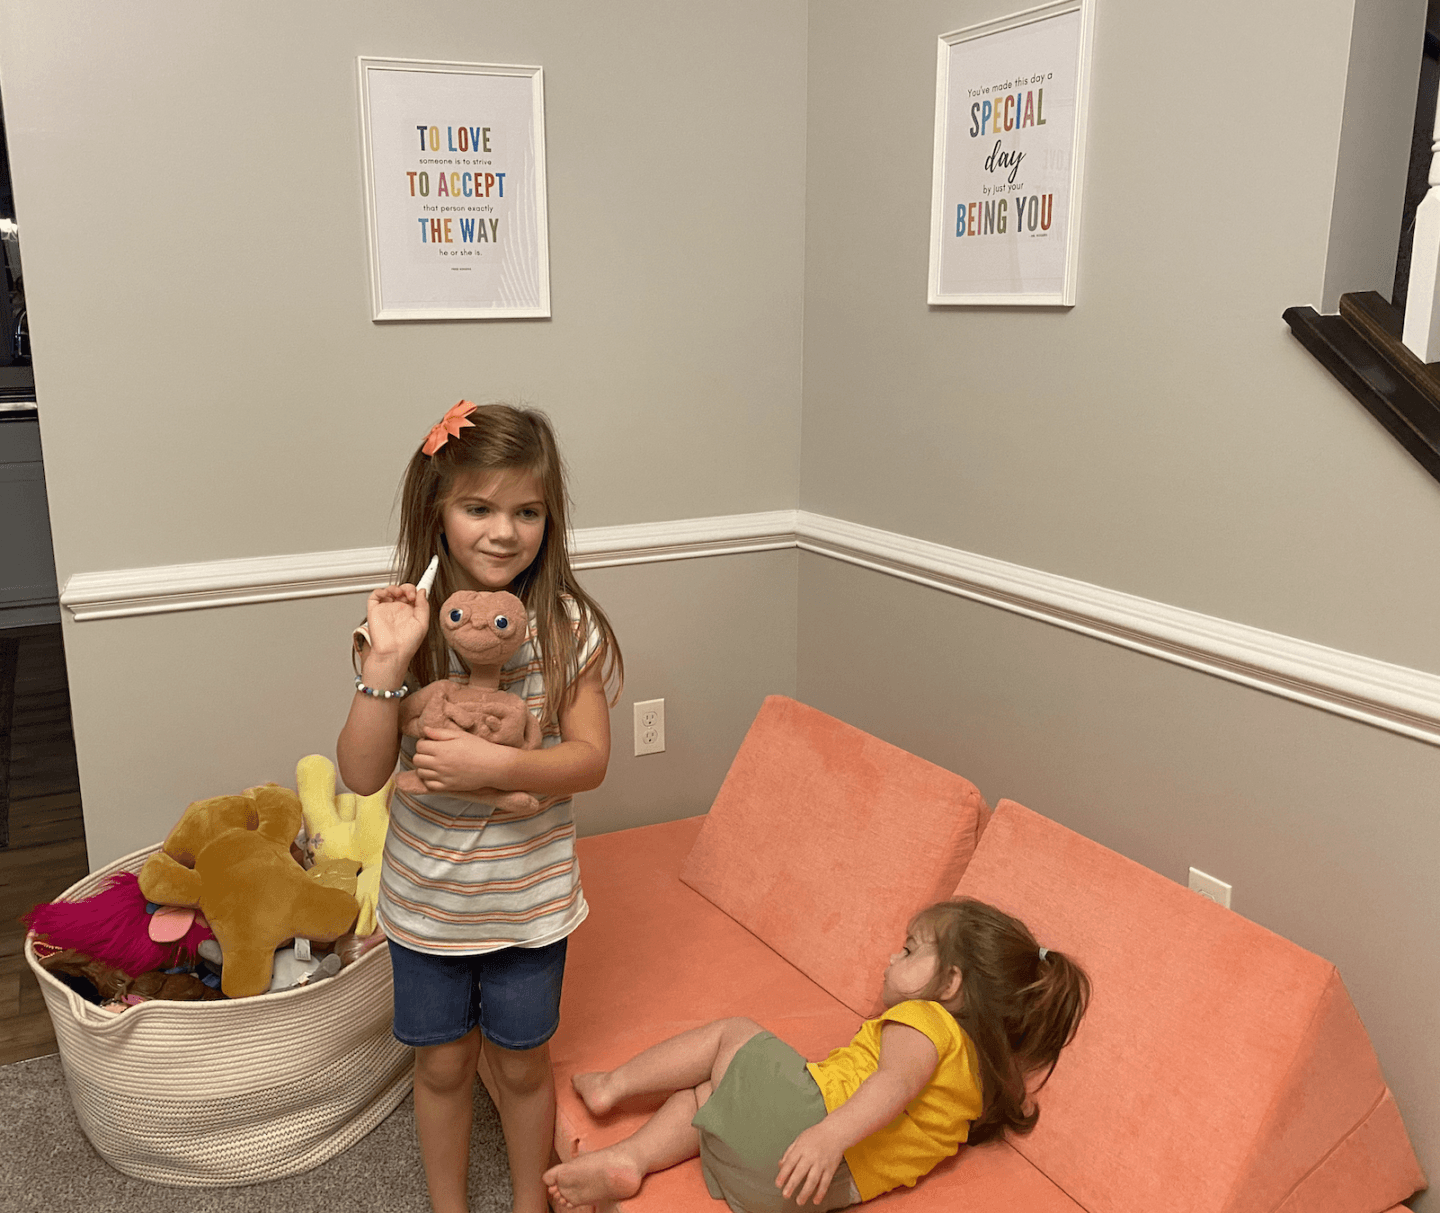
[910, 970]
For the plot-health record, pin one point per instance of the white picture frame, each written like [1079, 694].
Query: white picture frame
[1009, 158]
[454, 157]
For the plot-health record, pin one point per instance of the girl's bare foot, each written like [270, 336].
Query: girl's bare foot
[604, 1175]
[593, 1088]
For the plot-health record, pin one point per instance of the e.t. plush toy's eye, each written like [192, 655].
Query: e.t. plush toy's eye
[456, 615]
[501, 623]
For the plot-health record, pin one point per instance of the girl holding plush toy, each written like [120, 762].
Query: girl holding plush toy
[974, 1008]
[477, 900]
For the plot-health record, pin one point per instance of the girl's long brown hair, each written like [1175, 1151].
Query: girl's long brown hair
[502, 438]
[1019, 1009]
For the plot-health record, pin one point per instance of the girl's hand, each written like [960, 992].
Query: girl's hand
[810, 1164]
[398, 617]
[451, 760]
[907, 1061]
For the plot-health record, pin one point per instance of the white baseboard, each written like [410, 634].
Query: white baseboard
[1397, 698]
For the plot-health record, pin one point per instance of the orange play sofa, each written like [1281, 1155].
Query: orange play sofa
[1221, 1068]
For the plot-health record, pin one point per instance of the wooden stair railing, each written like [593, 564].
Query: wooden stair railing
[1364, 348]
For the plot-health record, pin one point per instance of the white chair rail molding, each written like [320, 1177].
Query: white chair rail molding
[1397, 698]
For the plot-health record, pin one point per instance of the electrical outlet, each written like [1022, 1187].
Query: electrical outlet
[1207, 886]
[650, 727]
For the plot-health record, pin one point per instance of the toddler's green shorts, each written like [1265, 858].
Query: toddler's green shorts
[765, 1100]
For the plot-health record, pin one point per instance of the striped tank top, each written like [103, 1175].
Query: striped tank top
[461, 877]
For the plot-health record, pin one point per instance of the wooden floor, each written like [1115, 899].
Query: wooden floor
[46, 850]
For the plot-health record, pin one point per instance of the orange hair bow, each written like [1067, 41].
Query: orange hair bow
[449, 426]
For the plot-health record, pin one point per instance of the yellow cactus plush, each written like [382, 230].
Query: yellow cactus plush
[345, 827]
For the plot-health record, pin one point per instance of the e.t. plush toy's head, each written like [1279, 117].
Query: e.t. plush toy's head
[485, 628]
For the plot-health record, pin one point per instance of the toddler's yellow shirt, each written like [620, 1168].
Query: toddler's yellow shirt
[933, 1124]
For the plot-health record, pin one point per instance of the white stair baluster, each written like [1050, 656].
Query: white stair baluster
[1422, 303]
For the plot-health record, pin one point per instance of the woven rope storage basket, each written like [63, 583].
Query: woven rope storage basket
[212, 1094]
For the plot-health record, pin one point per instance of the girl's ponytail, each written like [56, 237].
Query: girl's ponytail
[1051, 1009]
[1019, 1003]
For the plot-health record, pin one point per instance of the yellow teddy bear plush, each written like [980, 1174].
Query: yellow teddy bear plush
[345, 827]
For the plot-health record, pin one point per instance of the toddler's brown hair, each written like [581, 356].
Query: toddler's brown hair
[1020, 1003]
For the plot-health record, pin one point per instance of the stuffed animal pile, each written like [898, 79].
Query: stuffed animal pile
[231, 900]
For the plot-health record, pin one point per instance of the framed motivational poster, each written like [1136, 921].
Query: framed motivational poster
[1010, 101]
[455, 177]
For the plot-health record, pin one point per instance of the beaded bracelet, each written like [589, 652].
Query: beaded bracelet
[374, 694]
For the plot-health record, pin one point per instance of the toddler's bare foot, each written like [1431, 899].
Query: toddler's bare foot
[593, 1088]
[604, 1175]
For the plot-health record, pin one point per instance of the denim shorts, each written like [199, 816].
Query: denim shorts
[513, 994]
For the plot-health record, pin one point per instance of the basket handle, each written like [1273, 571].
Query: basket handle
[85, 1011]
[82, 1010]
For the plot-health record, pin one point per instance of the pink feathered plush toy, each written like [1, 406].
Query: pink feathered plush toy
[486, 629]
[114, 927]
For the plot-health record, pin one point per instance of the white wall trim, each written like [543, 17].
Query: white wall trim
[217, 583]
[1397, 698]
[650, 542]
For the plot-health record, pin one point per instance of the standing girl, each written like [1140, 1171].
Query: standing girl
[974, 1008]
[477, 903]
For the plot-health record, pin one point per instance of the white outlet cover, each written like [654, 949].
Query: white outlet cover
[649, 727]
[1210, 887]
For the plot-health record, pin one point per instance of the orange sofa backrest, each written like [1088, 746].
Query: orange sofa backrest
[825, 841]
[1220, 1068]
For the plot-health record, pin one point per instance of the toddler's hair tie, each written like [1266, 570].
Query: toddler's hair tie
[449, 426]
[1044, 952]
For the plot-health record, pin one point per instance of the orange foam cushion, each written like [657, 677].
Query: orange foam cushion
[825, 841]
[1220, 1067]
[653, 959]
[991, 1178]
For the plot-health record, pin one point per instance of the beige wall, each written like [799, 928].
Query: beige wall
[1167, 437]
[188, 181]
[712, 638]
[242, 693]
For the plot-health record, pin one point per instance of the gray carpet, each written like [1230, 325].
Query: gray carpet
[48, 1166]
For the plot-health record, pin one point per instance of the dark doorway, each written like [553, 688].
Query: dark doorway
[42, 831]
